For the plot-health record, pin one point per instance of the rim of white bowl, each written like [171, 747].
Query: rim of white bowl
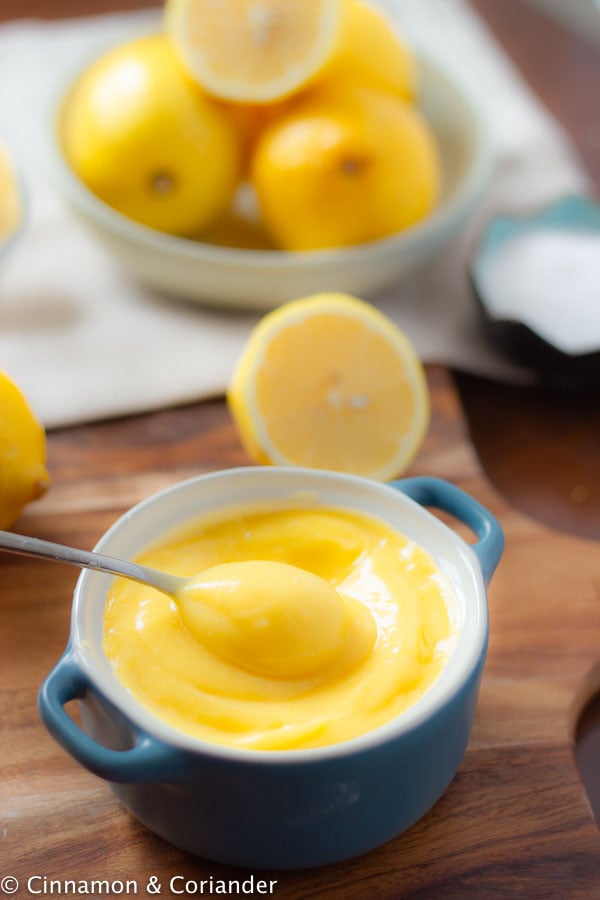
[465, 656]
[438, 222]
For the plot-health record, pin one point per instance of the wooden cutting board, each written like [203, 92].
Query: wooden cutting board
[514, 823]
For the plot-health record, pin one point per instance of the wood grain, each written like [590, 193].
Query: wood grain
[515, 821]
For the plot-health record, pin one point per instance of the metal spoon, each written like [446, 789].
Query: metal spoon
[225, 605]
[30, 546]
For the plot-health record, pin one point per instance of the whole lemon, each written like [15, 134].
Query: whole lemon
[23, 473]
[370, 52]
[346, 166]
[140, 133]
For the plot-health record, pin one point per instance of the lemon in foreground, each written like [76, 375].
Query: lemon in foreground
[142, 136]
[254, 51]
[330, 382]
[10, 200]
[370, 52]
[23, 473]
[345, 167]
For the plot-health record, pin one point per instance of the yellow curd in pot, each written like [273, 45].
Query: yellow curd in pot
[334, 647]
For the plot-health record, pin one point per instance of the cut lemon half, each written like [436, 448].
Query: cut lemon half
[329, 382]
[254, 51]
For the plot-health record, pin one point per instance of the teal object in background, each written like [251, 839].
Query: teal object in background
[294, 808]
[572, 212]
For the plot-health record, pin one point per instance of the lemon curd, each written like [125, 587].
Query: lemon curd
[313, 626]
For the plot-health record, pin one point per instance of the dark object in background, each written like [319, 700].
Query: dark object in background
[537, 285]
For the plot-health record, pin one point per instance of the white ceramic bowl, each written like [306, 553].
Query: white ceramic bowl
[262, 279]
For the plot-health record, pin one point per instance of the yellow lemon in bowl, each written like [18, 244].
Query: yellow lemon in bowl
[371, 52]
[346, 166]
[142, 136]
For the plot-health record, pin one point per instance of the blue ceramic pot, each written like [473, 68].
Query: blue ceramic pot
[292, 808]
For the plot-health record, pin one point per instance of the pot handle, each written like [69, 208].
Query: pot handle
[148, 760]
[440, 494]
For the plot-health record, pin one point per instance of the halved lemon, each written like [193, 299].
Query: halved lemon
[330, 382]
[254, 51]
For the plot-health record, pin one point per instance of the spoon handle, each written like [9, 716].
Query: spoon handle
[29, 546]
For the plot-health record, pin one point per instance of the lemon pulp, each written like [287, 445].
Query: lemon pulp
[254, 50]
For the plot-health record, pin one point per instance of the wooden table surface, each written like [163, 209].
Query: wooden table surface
[515, 822]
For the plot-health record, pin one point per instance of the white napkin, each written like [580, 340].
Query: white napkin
[84, 342]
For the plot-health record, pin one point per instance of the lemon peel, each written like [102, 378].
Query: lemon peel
[371, 52]
[346, 165]
[143, 137]
[23, 473]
